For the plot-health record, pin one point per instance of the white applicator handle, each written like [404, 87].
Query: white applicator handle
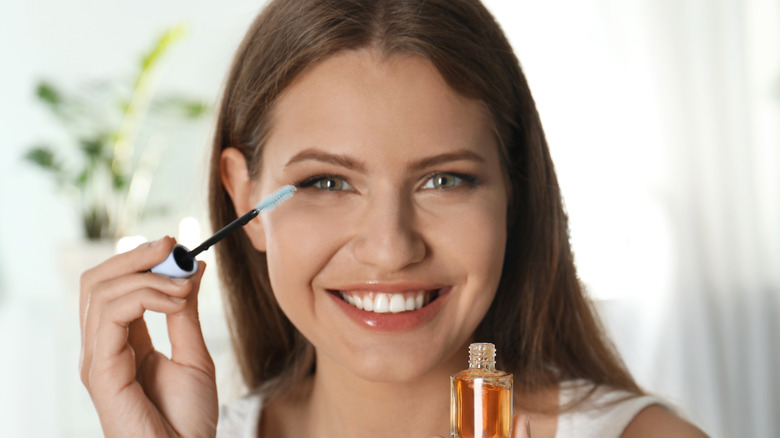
[178, 264]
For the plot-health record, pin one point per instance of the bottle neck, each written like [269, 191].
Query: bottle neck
[482, 356]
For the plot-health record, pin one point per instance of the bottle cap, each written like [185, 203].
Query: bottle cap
[482, 355]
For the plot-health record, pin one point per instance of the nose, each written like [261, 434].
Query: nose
[387, 237]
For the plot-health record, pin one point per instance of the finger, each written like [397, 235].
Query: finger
[521, 426]
[185, 333]
[140, 259]
[139, 339]
[110, 290]
[138, 333]
[113, 365]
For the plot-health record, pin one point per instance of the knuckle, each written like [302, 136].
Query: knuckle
[84, 369]
[85, 280]
[96, 297]
[85, 378]
[90, 377]
[106, 314]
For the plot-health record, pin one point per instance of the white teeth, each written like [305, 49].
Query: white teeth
[409, 304]
[397, 303]
[368, 303]
[380, 302]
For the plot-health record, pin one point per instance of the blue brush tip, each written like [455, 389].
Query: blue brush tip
[276, 198]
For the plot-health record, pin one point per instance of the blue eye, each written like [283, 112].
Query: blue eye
[444, 181]
[327, 183]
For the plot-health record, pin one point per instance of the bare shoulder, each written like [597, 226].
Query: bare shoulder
[657, 421]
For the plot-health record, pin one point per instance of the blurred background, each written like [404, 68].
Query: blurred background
[663, 117]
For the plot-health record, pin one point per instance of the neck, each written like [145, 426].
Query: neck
[345, 405]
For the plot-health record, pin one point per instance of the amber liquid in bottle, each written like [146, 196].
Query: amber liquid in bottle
[481, 397]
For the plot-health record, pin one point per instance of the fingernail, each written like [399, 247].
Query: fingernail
[177, 300]
[180, 281]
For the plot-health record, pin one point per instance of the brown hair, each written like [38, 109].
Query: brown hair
[541, 322]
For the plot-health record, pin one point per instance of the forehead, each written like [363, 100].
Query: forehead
[366, 100]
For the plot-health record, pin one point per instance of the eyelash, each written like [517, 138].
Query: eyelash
[466, 178]
[311, 181]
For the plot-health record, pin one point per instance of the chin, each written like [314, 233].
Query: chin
[400, 364]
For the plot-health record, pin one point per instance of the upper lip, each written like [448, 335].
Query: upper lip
[389, 288]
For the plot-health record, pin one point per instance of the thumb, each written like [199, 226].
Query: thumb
[521, 426]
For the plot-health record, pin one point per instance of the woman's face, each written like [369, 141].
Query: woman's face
[390, 253]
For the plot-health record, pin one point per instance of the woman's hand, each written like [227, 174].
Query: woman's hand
[138, 391]
[521, 427]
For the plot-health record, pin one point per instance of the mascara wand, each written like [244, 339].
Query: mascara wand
[181, 261]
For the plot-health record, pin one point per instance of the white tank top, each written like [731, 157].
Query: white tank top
[605, 414]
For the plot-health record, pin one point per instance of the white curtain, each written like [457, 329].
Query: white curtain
[663, 117]
[718, 344]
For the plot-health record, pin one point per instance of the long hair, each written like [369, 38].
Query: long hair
[542, 323]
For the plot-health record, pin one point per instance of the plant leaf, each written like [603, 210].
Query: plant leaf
[120, 181]
[44, 157]
[181, 106]
[48, 93]
[81, 180]
[92, 147]
[161, 46]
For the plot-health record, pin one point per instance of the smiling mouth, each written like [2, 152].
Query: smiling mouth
[382, 302]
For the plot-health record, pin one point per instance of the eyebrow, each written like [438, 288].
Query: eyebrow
[460, 155]
[326, 157]
[352, 164]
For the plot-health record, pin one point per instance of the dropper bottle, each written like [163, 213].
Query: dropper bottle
[481, 397]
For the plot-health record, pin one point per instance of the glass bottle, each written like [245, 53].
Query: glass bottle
[481, 397]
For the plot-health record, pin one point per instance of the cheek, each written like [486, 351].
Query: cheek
[299, 244]
[474, 235]
[486, 256]
[475, 244]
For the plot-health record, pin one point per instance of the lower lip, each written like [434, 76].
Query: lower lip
[393, 322]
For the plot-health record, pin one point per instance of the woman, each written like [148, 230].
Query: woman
[428, 216]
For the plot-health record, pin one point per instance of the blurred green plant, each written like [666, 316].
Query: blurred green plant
[113, 167]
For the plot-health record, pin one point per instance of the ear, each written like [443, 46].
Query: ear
[234, 174]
